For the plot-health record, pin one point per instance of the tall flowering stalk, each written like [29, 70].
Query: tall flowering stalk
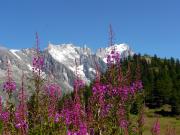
[53, 91]
[156, 128]
[141, 120]
[4, 117]
[38, 65]
[38, 60]
[7, 115]
[113, 95]
[52, 117]
[21, 122]
[1, 105]
[74, 112]
[9, 85]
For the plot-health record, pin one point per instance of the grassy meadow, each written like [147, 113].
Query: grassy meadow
[164, 121]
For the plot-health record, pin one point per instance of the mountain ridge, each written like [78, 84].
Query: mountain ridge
[60, 61]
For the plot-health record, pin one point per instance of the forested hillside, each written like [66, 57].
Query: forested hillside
[161, 80]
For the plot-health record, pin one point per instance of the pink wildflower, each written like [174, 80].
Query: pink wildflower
[156, 128]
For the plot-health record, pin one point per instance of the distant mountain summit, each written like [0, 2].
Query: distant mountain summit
[60, 61]
[123, 49]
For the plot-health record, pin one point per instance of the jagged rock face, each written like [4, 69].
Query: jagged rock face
[60, 62]
[66, 54]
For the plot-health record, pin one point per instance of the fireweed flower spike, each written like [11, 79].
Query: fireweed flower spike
[74, 113]
[9, 85]
[1, 105]
[4, 116]
[54, 93]
[21, 111]
[156, 128]
[38, 59]
[38, 64]
[78, 83]
[141, 120]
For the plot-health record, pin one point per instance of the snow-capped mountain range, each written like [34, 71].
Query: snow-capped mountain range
[123, 49]
[60, 61]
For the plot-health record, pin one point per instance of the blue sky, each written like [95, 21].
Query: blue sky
[148, 26]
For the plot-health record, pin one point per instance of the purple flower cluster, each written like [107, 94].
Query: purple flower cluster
[21, 112]
[73, 112]
[9, 86]
[53, 90]
[137, 85]
[22, 125]
[5, 115]
[113, 57]
[20, 120]
[71, 115]
[156, 128]
[38, 59]
[38, 63]
[78, 84]
[57, 117]
[105, 109]
[126, 92]
[123, 123]
[99, 91]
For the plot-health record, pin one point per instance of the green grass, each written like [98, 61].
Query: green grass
[164, 122]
